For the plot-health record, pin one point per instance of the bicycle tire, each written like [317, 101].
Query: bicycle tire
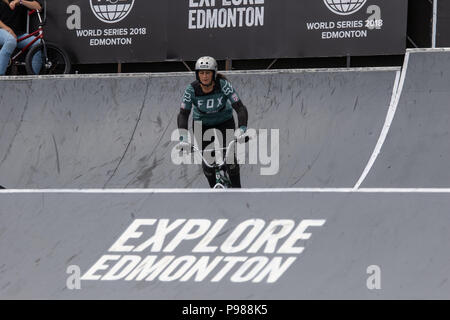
[58, 61]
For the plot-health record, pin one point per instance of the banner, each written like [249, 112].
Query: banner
[341, 27]
[102, 31]
[443, 24]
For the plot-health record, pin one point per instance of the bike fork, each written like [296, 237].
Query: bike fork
[44, 54]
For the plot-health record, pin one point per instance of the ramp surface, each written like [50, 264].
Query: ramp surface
[339, 130]
[405, 235]
[416, 153]
[98, 132]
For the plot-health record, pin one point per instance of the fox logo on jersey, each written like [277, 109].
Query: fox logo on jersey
[227, 88]
[187, 97]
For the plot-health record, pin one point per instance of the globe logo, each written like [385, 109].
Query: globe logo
[344, 7]
[111, 11]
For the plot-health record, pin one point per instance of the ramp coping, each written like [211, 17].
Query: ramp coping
[397, 92]
[416, 50]
[243, 190]
[186, 73]
[395, 99]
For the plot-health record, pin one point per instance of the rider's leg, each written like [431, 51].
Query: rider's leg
[233, 169]
[36, 63]
[208, 172]
[210, 175]
[234, 174]
[8, 43]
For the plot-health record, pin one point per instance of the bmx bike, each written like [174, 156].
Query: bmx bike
[54, 59]
[220, 169]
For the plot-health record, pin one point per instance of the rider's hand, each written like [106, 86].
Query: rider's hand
[183, 145]
[240, 135]
[10, 31]
[13, 4]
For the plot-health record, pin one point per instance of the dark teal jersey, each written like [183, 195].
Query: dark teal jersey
[212, 108]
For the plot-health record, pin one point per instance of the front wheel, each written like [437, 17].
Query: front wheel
[56, 62]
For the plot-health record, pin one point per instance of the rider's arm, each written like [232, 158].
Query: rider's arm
[242, 113]
[186, 107]
[236, 102]
[32, 5]
[183, 118]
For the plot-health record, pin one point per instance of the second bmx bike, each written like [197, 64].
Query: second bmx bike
[54, 59]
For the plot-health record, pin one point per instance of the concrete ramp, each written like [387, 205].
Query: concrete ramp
[100, 132]
[416, 153]
[76, 132]
[224, 245]
[361, 210]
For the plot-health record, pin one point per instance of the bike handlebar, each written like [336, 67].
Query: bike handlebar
[227, 153]
[38, 12]
[219, 165]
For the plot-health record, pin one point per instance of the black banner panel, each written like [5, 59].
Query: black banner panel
[326, 28]
[97, 31]
[443, 24]
[103, 31]
[227, 29]
[286, 28]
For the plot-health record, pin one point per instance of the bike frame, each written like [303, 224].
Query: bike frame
[38, 34]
